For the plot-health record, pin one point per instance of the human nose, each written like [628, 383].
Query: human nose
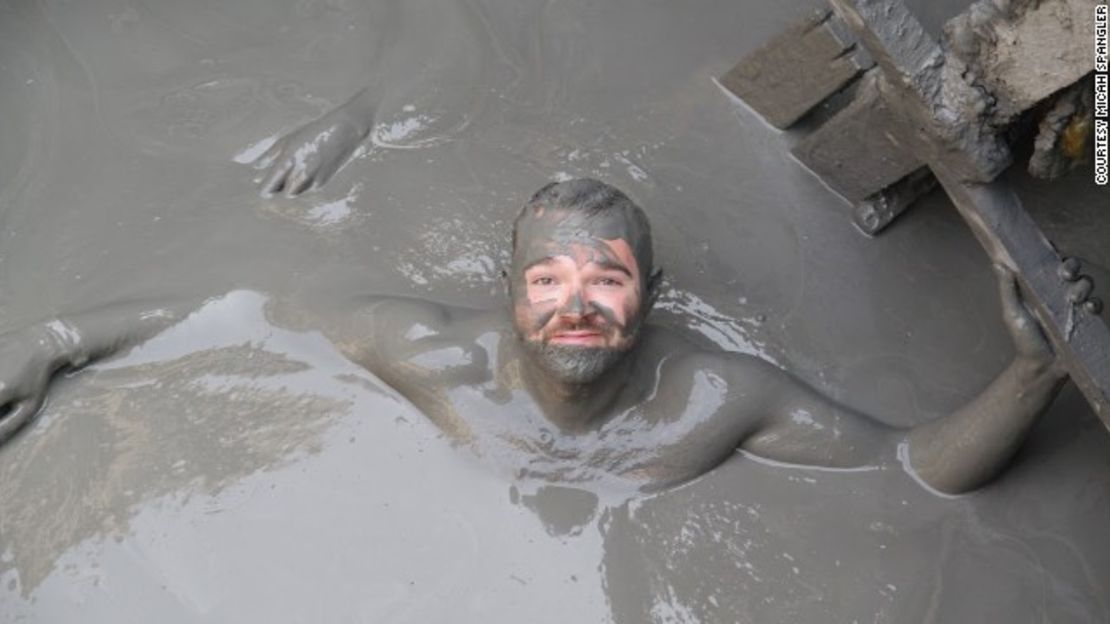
[574, 307]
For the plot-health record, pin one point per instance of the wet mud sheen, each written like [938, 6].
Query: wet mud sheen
[238, 467]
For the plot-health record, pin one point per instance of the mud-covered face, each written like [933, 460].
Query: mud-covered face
[578, 293]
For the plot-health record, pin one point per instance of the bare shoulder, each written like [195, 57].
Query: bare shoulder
[709, 400]
[731, 365]
[705, 385]
[378, 330]
[408, 318]
[400, 317]
[685, 357]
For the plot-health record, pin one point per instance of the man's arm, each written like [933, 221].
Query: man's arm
[29, 357]
[956, 453]
[795, 423]
[967, 448]
[429, 49]
[403, 340]
[372, 331]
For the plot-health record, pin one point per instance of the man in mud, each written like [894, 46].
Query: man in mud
[572, 384]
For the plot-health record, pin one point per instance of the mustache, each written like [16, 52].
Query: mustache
[596, 316]
[552, 325]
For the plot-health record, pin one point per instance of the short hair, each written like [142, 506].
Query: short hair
[592, 198]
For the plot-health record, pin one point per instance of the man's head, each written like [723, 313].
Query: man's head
[582, 279]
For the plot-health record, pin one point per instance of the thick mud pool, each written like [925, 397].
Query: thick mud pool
[232, 469]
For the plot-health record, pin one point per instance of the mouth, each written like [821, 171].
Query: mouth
[582, 337]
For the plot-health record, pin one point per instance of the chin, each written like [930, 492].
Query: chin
[574, 364]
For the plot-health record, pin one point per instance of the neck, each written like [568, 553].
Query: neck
[574, 406]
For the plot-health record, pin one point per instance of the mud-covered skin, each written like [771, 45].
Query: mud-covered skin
[665, 412]
[31, 356]
[570, 385]
[309, 156]
[670, 410]
[403, 68]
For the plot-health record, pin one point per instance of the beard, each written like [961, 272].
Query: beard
[573, 364]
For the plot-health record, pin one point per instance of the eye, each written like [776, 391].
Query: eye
[609, 281]
[543, 280]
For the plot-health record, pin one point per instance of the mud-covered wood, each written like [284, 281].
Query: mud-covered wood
[944, 115]
[1023, 51]
[854, 151]
[796, 70]
[874, 213]
[942, 119]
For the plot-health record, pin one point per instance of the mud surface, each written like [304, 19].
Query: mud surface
[234, 470]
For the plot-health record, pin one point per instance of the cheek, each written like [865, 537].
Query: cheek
[540, 296]
[532, 316]
[622, 305]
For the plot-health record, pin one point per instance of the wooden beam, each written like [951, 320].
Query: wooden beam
[855, 152]
[945, 121]
[874, 213]
[797, 70]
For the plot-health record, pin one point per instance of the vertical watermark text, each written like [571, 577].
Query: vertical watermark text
[1102, 96]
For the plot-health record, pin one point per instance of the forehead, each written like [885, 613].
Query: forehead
[566, 225]
[607, 254]
[558, 232]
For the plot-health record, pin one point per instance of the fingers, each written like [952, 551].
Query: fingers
[1081, 286]
[290, 175]
[275, 180]
[299, 181]
[20, 414]
[1012, 307]
[307, 158]
[325, 171]
[1080, 290]
[293, 177]
[269, 156]
[1068, 269]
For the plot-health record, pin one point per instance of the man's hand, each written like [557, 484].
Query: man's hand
[1029, 339]
[1030, 342]
[967, 448]
[1079, 292]
[307, 157]
[28, 358]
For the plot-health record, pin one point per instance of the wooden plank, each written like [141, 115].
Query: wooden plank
[943, 115]
[855, 152]
[797, 70]
[945, 121]
[876, 212]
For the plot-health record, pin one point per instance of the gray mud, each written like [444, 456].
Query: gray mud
[234, 470]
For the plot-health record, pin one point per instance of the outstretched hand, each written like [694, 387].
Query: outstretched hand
[1029, 338]
[307, 157]
[27, 361]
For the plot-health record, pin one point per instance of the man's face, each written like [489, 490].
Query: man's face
[577, 304]
[584, 295]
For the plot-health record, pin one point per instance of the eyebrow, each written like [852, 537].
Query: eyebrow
[609, 265]
[604, 264]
